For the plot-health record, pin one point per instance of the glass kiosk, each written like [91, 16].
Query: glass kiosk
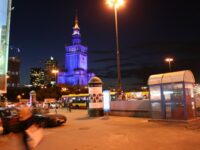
[172, 96]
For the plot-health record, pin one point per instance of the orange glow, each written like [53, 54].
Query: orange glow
[55, 71]
[64, 89]
[115, 3]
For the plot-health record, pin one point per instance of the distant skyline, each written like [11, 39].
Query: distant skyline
[149, 31]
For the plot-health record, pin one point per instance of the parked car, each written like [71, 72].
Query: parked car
[10, 119]
[48, 120]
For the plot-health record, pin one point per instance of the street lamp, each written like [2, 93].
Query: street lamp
[169, 60]
[55, 71]
[116, 4]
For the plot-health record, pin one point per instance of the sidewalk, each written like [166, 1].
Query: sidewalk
[120, 133]
[115, 133]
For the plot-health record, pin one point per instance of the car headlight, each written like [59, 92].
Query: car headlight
[60, 120]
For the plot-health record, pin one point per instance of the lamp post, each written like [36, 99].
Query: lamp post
[169, 60]
[116, 4]
[55, 71]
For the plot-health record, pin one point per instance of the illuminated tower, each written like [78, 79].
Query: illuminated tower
[76, 54]
[76, 61]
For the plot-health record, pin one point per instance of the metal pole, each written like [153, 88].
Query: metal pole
[170, 66]
[118, 54]
[55, 78]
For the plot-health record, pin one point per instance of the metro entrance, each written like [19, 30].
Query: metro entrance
[171, 95]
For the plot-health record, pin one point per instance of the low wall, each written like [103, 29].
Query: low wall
[134, 108]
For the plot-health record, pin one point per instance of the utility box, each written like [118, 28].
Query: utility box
[95, 97]
[172, 95]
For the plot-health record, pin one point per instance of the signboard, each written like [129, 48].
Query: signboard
[106, 100]
[3, 84]
[5, 7]
[95, 97]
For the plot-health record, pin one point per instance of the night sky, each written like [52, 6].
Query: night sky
[149, 31]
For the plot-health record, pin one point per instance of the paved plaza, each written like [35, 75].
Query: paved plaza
[113, 133]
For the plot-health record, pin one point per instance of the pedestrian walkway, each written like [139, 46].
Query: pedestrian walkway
[115, 133]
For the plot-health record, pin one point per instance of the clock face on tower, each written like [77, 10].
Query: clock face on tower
[83, 62]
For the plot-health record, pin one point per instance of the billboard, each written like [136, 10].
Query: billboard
[5, 10]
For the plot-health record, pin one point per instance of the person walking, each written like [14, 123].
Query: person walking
[26, 120]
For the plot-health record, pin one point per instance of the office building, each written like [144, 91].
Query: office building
[13, 76]
[50, 65]
[37, 77]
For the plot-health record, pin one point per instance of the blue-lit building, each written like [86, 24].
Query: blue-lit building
[76, 61]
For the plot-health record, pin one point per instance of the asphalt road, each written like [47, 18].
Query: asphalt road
[112, 133]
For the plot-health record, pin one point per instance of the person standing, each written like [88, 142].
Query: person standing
[56, 108]
[69, 105]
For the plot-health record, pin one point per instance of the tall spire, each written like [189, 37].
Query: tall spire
[76, 22]
[76, 36]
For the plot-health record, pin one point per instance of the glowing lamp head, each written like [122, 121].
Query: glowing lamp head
[115, 3]
[169, 59]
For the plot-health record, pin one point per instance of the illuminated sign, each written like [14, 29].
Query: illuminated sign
[95, 97]
[5, 6]
[106, 100]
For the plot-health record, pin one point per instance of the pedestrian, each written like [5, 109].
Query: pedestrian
[56, 108]
[5, 121]
[69, 105]
[26, 120]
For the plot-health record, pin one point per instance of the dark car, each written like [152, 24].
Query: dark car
[10, 119]
[48, 120]
[11, 123]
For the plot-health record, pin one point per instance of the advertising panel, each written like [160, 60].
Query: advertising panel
[4, 42]
[106, 100]
[95, 97]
